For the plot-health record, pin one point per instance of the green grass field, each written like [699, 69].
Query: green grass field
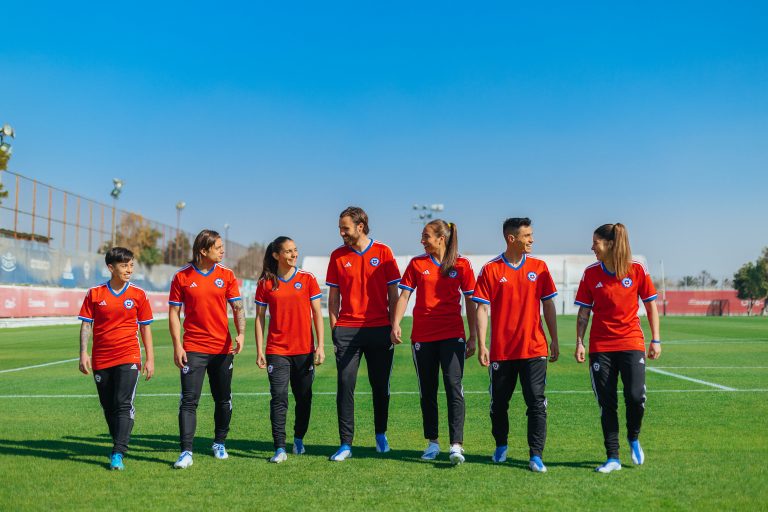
[706, 440]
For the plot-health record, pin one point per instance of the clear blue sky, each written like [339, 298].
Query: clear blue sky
[274, 117]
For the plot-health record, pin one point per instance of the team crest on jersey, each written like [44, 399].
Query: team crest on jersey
[596, 367]
[297, 286]
[97, 378]
[532, 276]
[219, 283]
[453, 273]
[129, 303]
[417, 346]
[270, 368]
[375, 262]
[495, 366]
[626, 282]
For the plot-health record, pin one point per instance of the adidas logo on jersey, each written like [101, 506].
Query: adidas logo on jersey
[599, 285]
[503, 280]
[426, 272]
[347, 265]
[193, 285]
[103, 303]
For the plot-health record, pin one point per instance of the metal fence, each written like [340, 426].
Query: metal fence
[67, 221]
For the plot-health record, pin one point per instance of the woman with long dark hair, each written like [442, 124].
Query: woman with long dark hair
[203, 288]
[439, 277]
[610, 290]
[292, 297]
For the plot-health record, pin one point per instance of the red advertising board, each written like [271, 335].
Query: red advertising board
[31, 301]
[706, 302]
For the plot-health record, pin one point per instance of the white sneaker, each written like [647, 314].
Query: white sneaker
[279, 456]
[219, 451]
[431, 452]
[343, 453]
[185, 460]
[456, 454]
[537, 465]
[609, 466]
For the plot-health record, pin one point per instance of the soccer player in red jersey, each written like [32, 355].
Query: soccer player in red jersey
[515, 286]
[362, 278]
[111, 312]
[610, 289]
[293, 299]
[439, 278]
[203, 288]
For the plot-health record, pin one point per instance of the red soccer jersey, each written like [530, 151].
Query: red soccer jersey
[205, 297]
[615, 324]
[515, 294]
[114, 316]
[437, 313]
[363, 279]
[290, 313]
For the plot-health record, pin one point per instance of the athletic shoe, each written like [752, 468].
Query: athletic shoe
[116, 462]
[219, 451]
[431, 452]
[382, 445]
[343, 453]
[185, 460]
[610, 465]
[279, 456]
[298, 446]
[499, 455]
[638, 456]
[456, 454]
[537, 465]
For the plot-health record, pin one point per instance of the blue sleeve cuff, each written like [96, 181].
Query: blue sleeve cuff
[547, 297]
[85, 319]
[333, 285]
[651, 298]
[393, 281]
[469, 292]
[172, 303]
[260, 303]
[582, 304]
[403, 287]
[234, 299]
[315, 297]
[146, 322]
[481, 301]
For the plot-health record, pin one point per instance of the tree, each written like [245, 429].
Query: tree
[706, 280]
[178, 250]
[688, 281]
[751, 283]
[249, 265]
[136, 234]
[4, 157]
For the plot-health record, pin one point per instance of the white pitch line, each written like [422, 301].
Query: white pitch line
[333, 393]
[683, 377]
[39, 365]
[713, 367]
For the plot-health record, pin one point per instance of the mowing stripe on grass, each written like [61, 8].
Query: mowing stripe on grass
[691, 379]
[39, 365]
[333, 393]
[713, 367]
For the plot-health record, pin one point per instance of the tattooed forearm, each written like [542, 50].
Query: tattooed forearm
[238, 312]
[85, 335]
[582, 320]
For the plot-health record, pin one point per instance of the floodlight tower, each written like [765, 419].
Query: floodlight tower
[426, 212]
[117, 189]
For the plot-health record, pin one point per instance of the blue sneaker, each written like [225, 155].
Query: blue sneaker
[500, 454]
[279, 456]
[184, 461]
[116, 462]
[382, 445]
[638, 456]
[298, 446]
[537, 465]
[609, 466]
[343, 453]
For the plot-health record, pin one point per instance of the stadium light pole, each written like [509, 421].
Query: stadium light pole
[5, 147]
[179, 206]
[425, 212]
[226, 239]
[117, 189]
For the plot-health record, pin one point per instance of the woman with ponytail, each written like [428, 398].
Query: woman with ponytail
[441, 275]
[610, 289]
[292, 352]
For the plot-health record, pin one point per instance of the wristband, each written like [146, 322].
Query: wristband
[658, 342]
